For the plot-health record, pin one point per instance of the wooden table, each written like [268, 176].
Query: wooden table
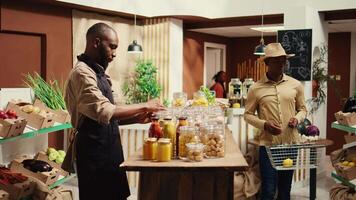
[177, 179]
[322, 143]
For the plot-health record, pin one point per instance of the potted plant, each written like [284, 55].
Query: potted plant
[142, 85]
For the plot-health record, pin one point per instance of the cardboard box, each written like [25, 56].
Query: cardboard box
[19, 190]
[43, 156]
[35, 120]
[47, 178]
[4, 195]
[12, 127]
[61, 116]
[348, 119]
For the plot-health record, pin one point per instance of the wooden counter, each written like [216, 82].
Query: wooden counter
[177, 179]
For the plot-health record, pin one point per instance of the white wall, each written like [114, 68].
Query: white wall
[353, 64]
[175, 57]
[210, 8]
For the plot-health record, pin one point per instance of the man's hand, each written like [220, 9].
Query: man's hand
[293, 122]
[143, 118]
[273, 128]
[154, 106]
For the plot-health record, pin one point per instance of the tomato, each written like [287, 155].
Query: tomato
[11, 113]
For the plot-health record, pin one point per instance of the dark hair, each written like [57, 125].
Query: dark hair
[98, 30]
[217, 75]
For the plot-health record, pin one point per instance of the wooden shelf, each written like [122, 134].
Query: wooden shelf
[350, 129]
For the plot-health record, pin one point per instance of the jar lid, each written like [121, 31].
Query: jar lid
[182, 118]
[151, 139]
[164, 140]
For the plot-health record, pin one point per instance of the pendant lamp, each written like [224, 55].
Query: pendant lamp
[134, 47]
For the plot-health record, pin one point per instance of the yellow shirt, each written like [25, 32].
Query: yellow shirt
[83, 96]
[277, 102]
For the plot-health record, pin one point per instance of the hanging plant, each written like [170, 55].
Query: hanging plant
[142, 85]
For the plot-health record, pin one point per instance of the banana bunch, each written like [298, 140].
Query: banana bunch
[56, 156]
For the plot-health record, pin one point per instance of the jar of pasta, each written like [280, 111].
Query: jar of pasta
[213, 137]
[187, 134]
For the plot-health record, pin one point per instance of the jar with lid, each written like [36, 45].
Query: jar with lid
[245, 87]
[213, 137]
[199, 99]
[182, 121]
[195, 151]
[235, 89]
[179, 99]
[150, 149]
[169, 131]
[187, 134]
[164, 150]
[155, 129]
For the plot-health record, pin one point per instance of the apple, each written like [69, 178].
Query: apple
[2, 114]
[12, 114]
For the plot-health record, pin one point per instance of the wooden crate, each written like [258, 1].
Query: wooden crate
[19, 190]
[47, 178]
[61, 116]
[4, 195]
[43, 156]
[348, 119]
[35, 120]
[12, 127]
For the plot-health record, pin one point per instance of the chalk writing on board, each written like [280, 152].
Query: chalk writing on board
[297, 42]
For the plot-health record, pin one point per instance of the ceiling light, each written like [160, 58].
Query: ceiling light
[268, 29]
[134, 47]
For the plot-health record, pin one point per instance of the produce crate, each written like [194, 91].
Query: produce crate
[19, 190]
[47, 178]
[304, 156]
[12, 127]
[4, 195]
[348, 119]
[61, 116]
[35, 120]
[43, 156]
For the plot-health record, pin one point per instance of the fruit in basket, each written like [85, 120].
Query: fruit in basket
[3, 114]
[345, 163]
[12, 114]
[351, 164]
[50, 150]
[59, 160]
[27, 109]
[36, 109]
[287, 163]
[62, 153]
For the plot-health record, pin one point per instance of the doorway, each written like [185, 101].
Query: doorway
[214, 61]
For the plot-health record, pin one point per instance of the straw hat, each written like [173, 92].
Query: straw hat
[275, 50]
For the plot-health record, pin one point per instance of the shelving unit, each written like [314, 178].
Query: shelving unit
[349, 129]
[30, 133]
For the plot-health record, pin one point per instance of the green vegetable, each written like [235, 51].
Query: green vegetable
[59, 160]
[51, 150]
[53, 156]
[49, 93]
[62, 153]
[208, 95]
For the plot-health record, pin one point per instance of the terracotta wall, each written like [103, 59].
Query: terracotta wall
[193, 53]
[35, 37]
[243, 48]
[339, 64]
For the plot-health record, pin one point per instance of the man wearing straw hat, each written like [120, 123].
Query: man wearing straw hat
[280, 105]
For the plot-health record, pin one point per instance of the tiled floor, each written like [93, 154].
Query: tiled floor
[324, 183]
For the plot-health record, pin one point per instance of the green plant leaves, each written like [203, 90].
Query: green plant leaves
[143, 86]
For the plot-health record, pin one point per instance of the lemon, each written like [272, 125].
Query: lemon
[288, 163]
[351, 164]
[236, 105]
[345, 163]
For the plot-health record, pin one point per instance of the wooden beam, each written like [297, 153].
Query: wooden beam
[340, 14]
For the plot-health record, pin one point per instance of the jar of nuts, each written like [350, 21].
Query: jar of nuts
[195, 151]
[213, 137]
[187, 135]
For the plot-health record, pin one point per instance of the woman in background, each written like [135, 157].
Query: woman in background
[218, 87]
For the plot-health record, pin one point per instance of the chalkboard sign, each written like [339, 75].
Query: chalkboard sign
[298, 42]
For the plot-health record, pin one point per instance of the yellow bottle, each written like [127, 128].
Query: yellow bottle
[150, 149]
[169, 131]
[164, 150]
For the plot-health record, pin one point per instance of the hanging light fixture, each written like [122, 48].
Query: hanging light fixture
[134, 47]
[260, 49]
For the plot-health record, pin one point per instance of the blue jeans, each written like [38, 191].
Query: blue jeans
[273, 180]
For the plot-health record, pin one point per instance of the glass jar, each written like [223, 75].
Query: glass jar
[155, 129]
[235, 89]
[213, 137]
[164, 150]
[195, 151]
[169, 131]
[187, 134]
[182, 122]
[179, 99]
[199, 99]
[245, 87]
[150, 149]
